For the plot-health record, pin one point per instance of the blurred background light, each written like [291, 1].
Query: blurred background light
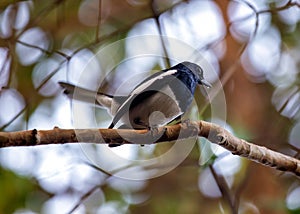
[292, 199]
[12, 103]
[263, 54]
[5, 61]
[208, 185]
[35, 37]
[14, 17]
[243, 18]
[295, 135]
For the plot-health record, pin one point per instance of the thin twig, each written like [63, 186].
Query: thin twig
[44, 50]
[98, 21]
[13, 119]
[41, 15]
[85, 196]
[5, 65]
[225, 190]
[51, 75]
[159, 27]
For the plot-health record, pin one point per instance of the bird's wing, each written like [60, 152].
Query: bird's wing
[151, 84]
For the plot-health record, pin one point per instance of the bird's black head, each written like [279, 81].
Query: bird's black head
[197, 70]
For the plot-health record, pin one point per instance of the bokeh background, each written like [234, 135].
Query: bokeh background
[252, 48]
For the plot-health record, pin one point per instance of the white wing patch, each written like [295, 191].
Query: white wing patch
[143, 86]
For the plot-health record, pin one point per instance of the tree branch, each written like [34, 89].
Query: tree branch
[214, 133]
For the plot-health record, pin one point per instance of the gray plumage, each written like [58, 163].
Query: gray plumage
[156, 101]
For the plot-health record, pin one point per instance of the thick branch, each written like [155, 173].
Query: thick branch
[212, 132]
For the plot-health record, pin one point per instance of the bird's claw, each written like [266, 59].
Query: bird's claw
[186, 122]
[112, 145]
[153, 131]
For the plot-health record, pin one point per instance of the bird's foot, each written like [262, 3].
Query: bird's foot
[155, 133]
[186, 122]
[112, 145]
[153, 130]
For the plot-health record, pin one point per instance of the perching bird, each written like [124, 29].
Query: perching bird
[158, 100]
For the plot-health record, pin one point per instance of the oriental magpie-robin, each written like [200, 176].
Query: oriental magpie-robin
[158, 100]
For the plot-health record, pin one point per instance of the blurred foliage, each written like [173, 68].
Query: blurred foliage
[20, 192]
[43, 42]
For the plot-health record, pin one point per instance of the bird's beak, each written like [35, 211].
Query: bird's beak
[205, 83]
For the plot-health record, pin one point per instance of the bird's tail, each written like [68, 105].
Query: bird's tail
[85, 95]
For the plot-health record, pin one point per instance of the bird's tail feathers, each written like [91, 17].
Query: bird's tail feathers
[85, 95]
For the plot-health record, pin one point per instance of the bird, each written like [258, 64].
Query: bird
[158, 100]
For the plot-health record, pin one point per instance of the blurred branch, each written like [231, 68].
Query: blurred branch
[67, 57]
[215, 133]
[4, 64]
[44, 50]
[85, 196]
[256, 13]
[41, 15]
[50, 75]
[289, 4]
[225, 190]
[98, 21]
[156, 16]
[12, 120]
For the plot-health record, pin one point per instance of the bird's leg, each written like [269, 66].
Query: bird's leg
[153, 131]
[194, 130]
[111, 145]
[186, 122]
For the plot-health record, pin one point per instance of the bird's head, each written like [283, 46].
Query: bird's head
[197, 70]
